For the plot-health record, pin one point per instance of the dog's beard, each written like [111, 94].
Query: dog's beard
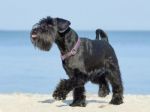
[43, 44]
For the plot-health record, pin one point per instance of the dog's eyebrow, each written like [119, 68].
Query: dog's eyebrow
[35, 26]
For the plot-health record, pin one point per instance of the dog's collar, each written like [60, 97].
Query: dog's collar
[73, 51]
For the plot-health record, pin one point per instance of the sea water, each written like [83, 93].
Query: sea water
[26, 69]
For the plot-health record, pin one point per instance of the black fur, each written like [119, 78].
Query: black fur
[101, 35]
[103, 84]
[95, 61]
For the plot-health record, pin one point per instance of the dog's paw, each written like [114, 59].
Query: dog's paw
[79, 103]
[116, 101]
[103, 93]
[59, 95]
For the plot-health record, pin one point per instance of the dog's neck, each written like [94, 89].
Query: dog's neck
[66, 40]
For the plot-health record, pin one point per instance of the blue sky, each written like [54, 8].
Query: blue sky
[83, 14]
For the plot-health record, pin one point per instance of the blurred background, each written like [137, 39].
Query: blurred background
[26, 69]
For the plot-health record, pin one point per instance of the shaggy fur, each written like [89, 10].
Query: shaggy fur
[94, 61]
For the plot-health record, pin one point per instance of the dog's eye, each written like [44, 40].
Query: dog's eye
[43, 29]
[43, 26]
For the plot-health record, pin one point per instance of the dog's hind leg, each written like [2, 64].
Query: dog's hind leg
[114, 77]
[103, 87]
[100, 79]
[79, 97]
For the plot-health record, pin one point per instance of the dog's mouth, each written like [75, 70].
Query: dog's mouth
[34, 37]
[40, 42]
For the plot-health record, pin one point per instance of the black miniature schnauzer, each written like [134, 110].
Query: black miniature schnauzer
[83, 60]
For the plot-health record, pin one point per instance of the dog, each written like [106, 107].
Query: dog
[83, 60]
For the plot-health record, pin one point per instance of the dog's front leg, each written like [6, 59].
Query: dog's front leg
[79, 97]
[65, 86]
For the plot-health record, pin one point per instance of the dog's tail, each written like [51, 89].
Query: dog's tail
[101, 35]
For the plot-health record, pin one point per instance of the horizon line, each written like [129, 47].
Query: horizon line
[14, 30]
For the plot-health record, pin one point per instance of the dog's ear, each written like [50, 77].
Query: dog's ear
[62, 24]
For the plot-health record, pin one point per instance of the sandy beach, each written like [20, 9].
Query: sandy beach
[19, 102]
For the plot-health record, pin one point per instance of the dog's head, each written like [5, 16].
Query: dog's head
[44, 33]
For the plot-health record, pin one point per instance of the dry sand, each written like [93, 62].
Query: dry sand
[19, 102]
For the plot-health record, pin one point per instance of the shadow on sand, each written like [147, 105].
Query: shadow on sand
[47, 101]
[67, 102]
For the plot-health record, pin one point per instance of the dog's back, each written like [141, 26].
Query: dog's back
[101, 35]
